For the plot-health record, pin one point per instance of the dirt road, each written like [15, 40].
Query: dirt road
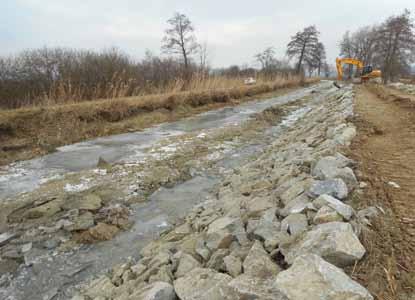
[385, 150]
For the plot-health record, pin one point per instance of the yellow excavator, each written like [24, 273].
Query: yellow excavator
[366, 72]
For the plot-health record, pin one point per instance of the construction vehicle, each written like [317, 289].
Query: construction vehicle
[366, 73]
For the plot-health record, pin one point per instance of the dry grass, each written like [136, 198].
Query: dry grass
[65, 92]
[27, 132]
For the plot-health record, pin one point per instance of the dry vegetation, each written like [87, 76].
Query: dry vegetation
[30, 131]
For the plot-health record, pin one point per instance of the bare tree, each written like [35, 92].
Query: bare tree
[347, 50]
[395, 45]
[180, 38]
[320, 55]
[317, 58]
[203, 52]
[358, 45]
[363, 44]
[302, 45]
[266, 58]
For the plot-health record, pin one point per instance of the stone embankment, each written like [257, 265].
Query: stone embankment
[280, 226]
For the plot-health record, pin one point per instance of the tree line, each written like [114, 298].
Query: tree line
[60, 74]
[389, 46]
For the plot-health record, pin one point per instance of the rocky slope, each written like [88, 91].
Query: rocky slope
[78, 224]
[279, 227]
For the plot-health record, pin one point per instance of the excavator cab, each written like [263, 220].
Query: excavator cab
[367, 70]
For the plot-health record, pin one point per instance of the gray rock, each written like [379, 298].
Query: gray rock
[336, 242]
[293, 192]
[325, 215]
[164, 274]
[139, 268]
[251, 225]
[202, 250]
[327, 166]
[266, 231]
[333, 187]
[82, 222]
[347, 175]
[162, 258]
[346, 136]
[299, 205]
[51, 243]
[220, 224]
[44, 210]
[368, 213]
[233, 265]
[331, 167]
[216, 260]
[155, 291]
[294, 224]
[11, 252]
[88, 202]
[256, 206]
[219, 240]
[203, 284]
[27, 247]
[258, 263]
[100, 287]
[50, 294]
[234, 226]
[6, 237]
[251, 287]
[268, 226]
[276, 240]
[342, 209]
[31, 257]
[186, 264]
[312, 278]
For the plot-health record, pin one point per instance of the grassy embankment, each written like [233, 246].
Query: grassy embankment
[32, 131]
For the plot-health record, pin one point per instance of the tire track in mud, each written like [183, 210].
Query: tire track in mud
[385, 149]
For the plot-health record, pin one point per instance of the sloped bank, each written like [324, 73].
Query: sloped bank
[30, 132]
[280, 227]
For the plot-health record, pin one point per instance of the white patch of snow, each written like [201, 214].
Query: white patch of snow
[47, 179]
[100, 171]
[163, 224]
[293, 117]
[394, 184]
[82, 186]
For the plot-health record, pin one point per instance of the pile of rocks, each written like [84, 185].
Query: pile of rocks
[57, 222]
[280, 227]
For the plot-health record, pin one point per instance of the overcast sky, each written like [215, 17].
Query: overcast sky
[234, 30]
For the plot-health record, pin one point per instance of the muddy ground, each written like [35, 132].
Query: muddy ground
[385, 151]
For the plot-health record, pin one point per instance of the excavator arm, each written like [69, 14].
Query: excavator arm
[348, 61]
